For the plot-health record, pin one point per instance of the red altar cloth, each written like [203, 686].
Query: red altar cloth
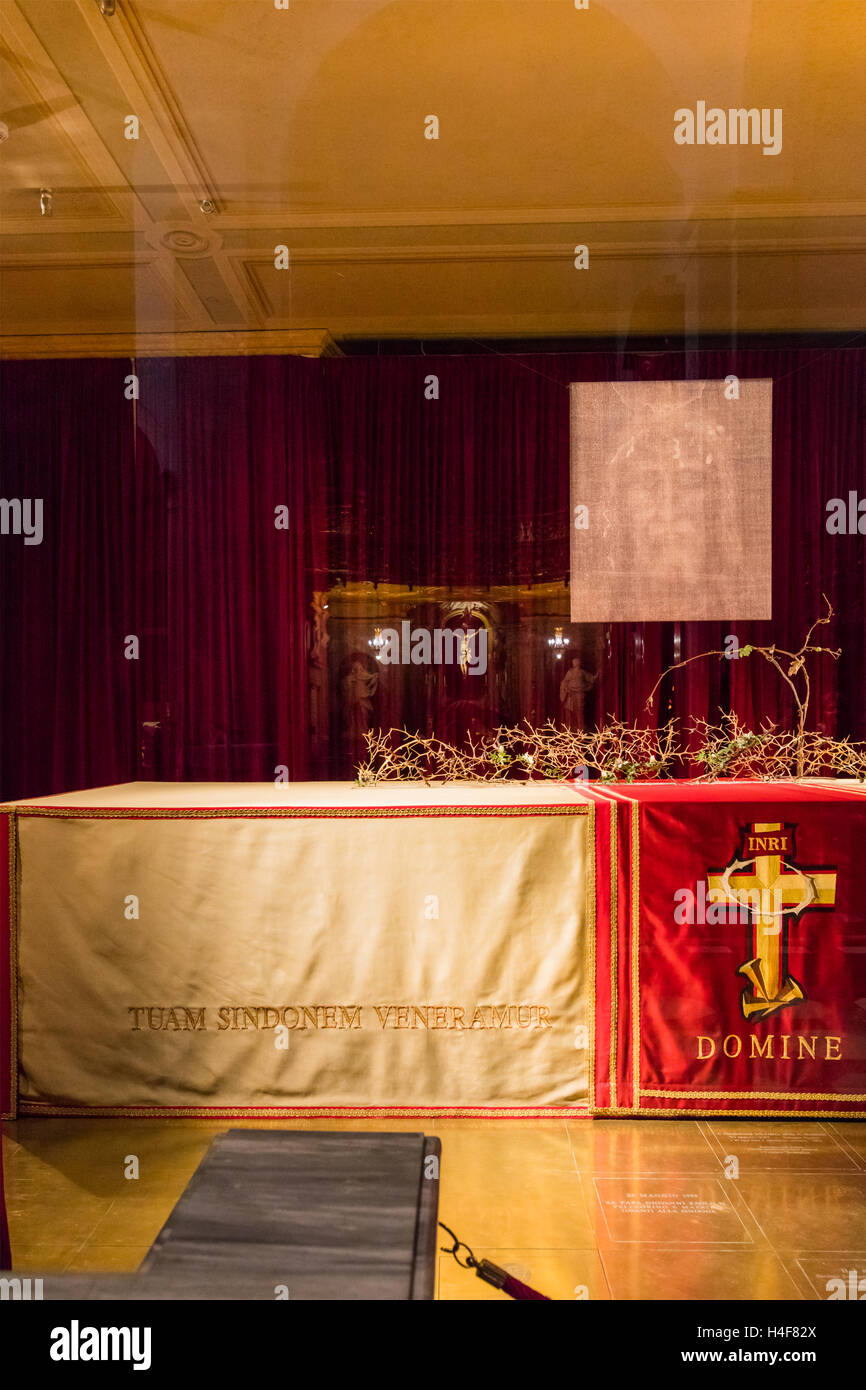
[731, 978]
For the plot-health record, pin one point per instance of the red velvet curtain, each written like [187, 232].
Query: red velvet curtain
[71, 697]
[449, 470]
[471, 488]
[239, 445]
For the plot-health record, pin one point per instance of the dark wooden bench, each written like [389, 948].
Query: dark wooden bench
[272, 1214]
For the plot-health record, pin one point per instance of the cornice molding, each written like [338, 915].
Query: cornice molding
[244, 343]
[530, 217]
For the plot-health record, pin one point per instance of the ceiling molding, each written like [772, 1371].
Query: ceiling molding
[578, 217]
[83, 144]
[606, 321]
[246, 261]
[124, 47]
[248, 114]
[266, 343]
[600, 250]
[530, 217]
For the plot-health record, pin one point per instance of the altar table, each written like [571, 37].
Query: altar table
[183, 948]
[659, 949]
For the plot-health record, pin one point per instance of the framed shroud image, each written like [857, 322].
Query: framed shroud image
[671, 501]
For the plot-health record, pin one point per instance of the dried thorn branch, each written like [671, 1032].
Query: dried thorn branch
[797, 668]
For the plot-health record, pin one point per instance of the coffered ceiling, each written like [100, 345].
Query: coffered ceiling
[304, 126]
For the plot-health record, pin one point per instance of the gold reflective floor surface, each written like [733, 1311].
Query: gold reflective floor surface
[598, 1209]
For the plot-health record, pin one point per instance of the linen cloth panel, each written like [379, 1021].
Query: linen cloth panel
[336, 924]
[677, 480]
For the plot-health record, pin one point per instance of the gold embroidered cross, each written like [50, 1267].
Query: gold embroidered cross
[774, 890]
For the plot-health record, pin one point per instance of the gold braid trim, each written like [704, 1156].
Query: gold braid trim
[701, 1112]
[635, 953]
[590, 901]
[289, 812]
[843, 1097]
[311, 1112]
[614, 929]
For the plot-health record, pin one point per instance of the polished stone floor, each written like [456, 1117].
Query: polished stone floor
[599, 1209]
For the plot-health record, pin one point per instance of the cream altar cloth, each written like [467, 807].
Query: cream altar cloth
[183, 947]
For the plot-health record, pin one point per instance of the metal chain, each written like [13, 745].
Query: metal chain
[470, 1262]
